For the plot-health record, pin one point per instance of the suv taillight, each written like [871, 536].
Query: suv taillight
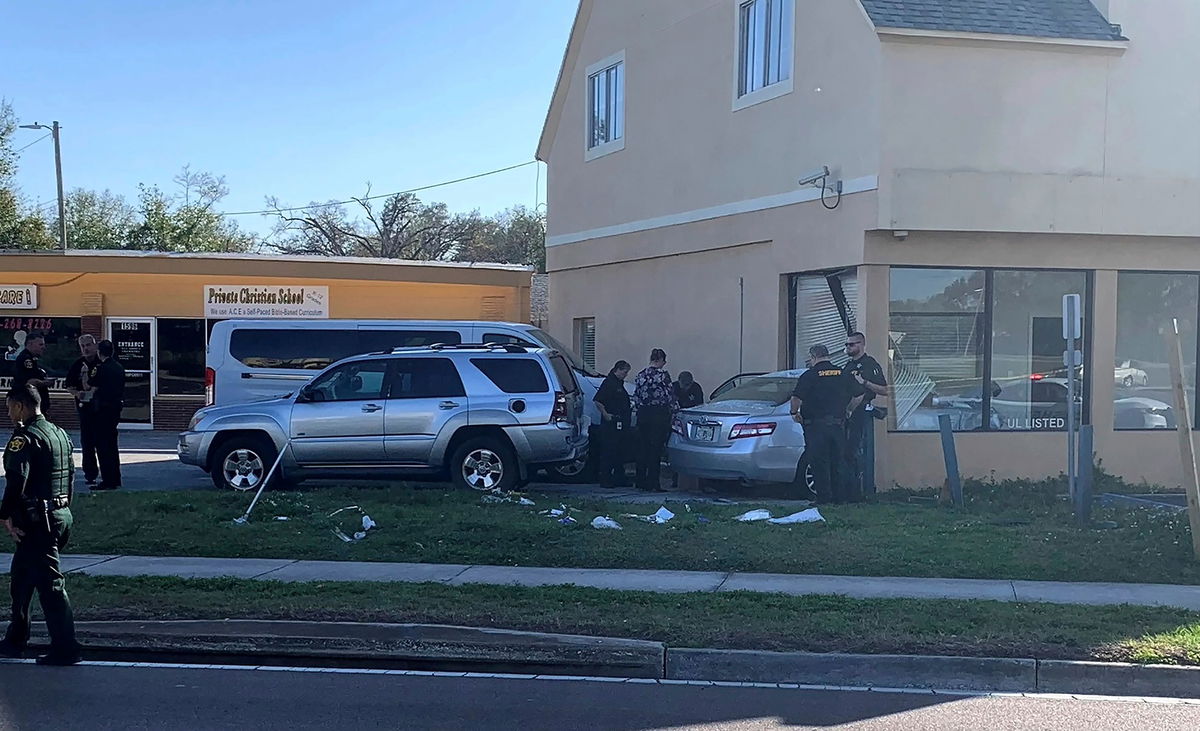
[210, 386]
[560, 408]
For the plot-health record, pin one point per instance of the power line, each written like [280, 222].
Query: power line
[383, 195]
[31, 144]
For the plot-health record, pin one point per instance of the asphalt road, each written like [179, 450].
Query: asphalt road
[105, 697]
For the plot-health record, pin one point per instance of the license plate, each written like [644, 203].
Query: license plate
[704, 432]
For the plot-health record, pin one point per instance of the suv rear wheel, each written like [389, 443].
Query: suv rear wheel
[485, 463]
[242, 463]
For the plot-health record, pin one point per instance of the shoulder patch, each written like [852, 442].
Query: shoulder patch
[16, 444]
[28, 363]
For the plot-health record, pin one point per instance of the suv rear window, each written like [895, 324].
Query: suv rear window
[300, 349]
[514, 375]
[564, 374]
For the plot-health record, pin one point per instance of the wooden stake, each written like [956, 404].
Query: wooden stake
[1187, 447]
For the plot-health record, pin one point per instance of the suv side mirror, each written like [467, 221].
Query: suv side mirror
[304, 395]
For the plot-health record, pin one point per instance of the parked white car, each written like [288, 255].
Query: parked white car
[1127, 374]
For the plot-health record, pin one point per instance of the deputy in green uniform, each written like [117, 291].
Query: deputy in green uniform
[35, 511]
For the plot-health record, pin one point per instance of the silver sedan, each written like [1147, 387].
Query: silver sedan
[744, 433]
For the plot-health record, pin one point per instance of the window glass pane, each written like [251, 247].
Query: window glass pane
[566, 378]
[507, 340]
[514, 375]
[61, 348]
[1027, 349]
[426, 378]
[936, 347]
[292, 349]
[358, 381]
[758, 51]
[786, 39]
[180, 357]
[745, 48]
[1146, 305]
[618, 103]
[774, 40]
[377, 341]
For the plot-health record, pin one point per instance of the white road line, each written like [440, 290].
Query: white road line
[632, 681]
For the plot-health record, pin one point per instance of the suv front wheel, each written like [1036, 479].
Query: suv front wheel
[485, 464]
[242, 463]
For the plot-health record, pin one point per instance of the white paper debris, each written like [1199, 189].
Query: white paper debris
[282, 517]
[368, 524]
[525, 501]
[662, 515]
[812, 515]
[364, 520]
[603, 522]
[753, 515]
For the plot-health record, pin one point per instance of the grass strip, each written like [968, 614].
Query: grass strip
[736, 620]
[1005, 532]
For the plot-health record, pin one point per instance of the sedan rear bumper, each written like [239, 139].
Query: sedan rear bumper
[745, 459]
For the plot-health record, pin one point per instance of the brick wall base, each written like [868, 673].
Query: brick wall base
[169, 414]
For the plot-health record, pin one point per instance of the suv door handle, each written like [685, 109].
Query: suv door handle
[371, 408]
[448, 405]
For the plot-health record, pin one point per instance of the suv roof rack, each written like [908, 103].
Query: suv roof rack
[489, 347]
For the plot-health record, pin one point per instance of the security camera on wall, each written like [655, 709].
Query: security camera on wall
[816, 176]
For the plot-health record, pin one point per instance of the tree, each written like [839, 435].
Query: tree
[101, 220]
[514, 236]
[404, 228]
[186, 221]
[18, 229]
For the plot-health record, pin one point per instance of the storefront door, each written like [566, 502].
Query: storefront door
[133, 338]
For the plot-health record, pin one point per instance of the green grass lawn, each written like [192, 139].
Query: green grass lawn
[736, 620]
[1016, 531]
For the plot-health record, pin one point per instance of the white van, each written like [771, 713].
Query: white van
[250, 360]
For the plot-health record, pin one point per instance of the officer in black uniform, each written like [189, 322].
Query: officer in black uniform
[867, 372]
[30, 370]
[81, 382]
[108, 401]
[823, 397]
[35, 511]
[612, 433]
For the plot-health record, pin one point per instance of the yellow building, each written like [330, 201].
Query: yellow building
[161, 307]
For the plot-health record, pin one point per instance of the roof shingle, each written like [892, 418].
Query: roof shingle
[1079, 19]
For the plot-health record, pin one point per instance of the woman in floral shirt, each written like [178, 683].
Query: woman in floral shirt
[655, 395]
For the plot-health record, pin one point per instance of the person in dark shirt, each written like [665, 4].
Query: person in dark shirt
[687, 392]
[611, 447]
[108, 400]
[867, 372]
[28, 369]
[823, 397]
[81, 379]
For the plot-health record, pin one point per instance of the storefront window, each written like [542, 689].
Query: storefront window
[180, 357]
[61, 347]
[1030, 391]
[1146, 305]
[936, 345]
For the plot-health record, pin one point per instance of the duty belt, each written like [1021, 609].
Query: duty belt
[54, 503]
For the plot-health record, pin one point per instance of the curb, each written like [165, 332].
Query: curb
[467, 649]
[932, 672]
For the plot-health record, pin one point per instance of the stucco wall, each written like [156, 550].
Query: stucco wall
[685, 148]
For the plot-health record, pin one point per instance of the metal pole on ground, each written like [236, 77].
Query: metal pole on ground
[1087, 461]
[951, 457]
[270, 473]
[1187, 447]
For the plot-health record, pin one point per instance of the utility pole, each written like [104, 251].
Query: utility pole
[62, 201]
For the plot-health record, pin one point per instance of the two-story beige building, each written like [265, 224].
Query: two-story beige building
[736, 180]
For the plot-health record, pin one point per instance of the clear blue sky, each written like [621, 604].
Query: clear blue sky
[303, 99]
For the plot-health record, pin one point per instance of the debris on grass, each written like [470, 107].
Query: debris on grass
[660, 516]
[603, 522]
[363, 520]
[812, 515]
[753, 515]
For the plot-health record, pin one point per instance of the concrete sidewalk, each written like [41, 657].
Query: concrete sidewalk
[858, 587]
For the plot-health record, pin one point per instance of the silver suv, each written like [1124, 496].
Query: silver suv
[486, 414]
